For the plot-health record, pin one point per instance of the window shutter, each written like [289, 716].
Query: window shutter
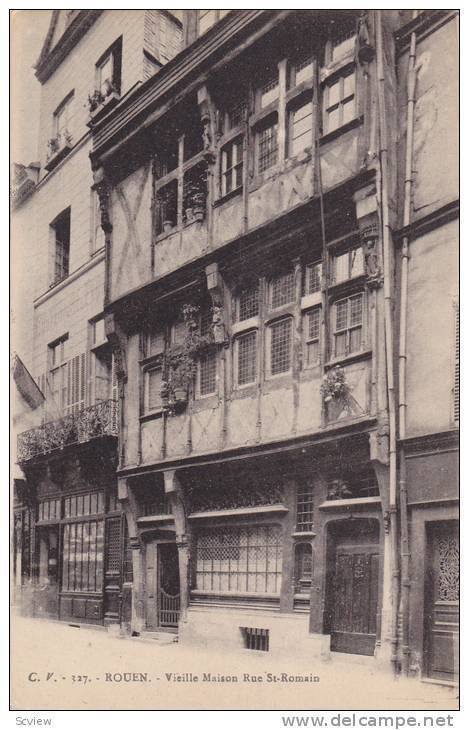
[76, 381]
[456, 365]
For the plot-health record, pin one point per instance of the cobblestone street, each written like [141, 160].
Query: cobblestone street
[56, 666]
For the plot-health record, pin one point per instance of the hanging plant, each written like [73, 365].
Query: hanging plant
[333, 385]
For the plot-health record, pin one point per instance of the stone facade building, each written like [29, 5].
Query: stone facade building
[277, 249]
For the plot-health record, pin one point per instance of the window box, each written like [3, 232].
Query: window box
[99, 104]
[58, 148]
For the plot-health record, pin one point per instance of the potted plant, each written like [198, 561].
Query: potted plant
[333, 385]
[168, 226]
[95, 100]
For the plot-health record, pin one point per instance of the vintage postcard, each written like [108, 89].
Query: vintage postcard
[235, 361]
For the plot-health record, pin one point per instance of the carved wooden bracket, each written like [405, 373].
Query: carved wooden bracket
[117, 339]
[101, 186]
[208, 119]
[215, 289]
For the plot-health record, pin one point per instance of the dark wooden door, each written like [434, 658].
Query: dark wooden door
[168, 599]
[442, 602]
[150, 586]
[355, 599]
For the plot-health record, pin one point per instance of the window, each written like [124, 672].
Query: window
[342, 40]
[61, 239]
[300, 129]
[246, 358]
[236, 114]
[154, 378]
[232, 166]
[280, 346]
[108, 70]
[313, 276]
[302, 70]
[58, 382]
[303, 567]
[83, 547]
[155, 343]
[347, 265]
[208, 374]
[269, 91]
[267, 147]
[248, 303]
[339, 102]
[239, 559]
[348, 325]
[48, 510]
[98, 335]
[304, 508]
[282, 290]
[61, 120]
[312, 336]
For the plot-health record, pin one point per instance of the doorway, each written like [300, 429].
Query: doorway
[353, 578]
[162, 586]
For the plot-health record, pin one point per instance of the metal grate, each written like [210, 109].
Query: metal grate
[248, 303]
[208, 374]
[239, 559]
[304, 509]
[282, 290]
[113, 545]
[280, 346]
[247, 358]
[267, 147]
[256, 639]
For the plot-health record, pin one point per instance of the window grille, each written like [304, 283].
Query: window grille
[239, 559]
[255, 639]
[267, 147]
[113, 545]
[282, 290]
[280, 346]
[339, 102]
[248, 303]
[313, 333]
[304, 508]
[348, 325]
[301, 121]
[83, 547]
[247, 360]
[208, 373]
[232, 166]
[313, 278]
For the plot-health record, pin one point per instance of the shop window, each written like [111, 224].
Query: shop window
[244, 559]
[280, 346]
[339, 102]
[304, 508]
[246, 358]
[48, 510]
[300, 133]
[79, 505]
[60, 228]
[303, 567]
[83, 548]
[232, 166]
[348, 325]
[312, 336]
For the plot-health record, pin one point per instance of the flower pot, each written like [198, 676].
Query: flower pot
[180, 394]
[167, 226]
[199, 214]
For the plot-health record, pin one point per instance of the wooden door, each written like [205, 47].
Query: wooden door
[168, 599]
[150, 586]
[442, 602]
[355, 599]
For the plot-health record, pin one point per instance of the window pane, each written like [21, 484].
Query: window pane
[334, 94]
[349, 86]
[356, 305]
[333, 120]
[312, 352]
[341, 344]
[280, 347]
[356, 339]
[343, 47]
[341, 267]
[348, 111]
[155, 342]
[267, 148]
[208, 373]
[106, 71]
[356, 262]
[248, 303]
[313, 278]
[301, 121]
[314, 323]
[269, 91]
[236, 114]
[247, 358]
[341, 309]
[282, 290]
[154, 388]
[303, 70]
[304, 509]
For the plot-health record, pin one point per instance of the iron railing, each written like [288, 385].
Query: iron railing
[76, 428]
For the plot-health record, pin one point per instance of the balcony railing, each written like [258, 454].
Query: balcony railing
[77, 428]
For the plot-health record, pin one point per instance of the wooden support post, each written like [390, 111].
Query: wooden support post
[173, 489]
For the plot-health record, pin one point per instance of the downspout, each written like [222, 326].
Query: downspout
[388, 330]
[405, 554]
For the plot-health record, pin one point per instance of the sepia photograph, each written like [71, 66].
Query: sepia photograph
[234, 263]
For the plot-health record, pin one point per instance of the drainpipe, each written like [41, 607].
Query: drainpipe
[388, 330]
[405, 554]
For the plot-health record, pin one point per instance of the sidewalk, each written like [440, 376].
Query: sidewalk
[56, 666]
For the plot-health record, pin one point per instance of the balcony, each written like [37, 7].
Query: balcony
[77, 428]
